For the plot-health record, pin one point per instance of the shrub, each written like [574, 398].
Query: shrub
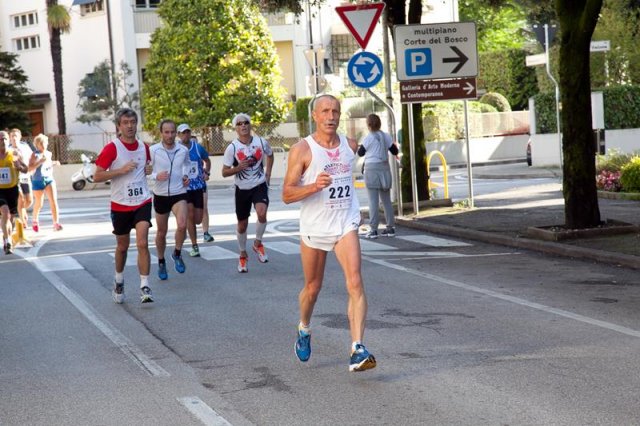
[608, 181]
[621, 108]
[506, 72]
[630, 175]
[302, 114]
[496, 100]
[444, 121]
[613, 161]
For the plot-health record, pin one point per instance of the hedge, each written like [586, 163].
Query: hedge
[505, 72]
[621, 108]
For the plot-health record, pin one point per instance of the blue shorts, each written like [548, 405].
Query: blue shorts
[40, 185]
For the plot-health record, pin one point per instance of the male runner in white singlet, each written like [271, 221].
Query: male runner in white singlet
[319, 175]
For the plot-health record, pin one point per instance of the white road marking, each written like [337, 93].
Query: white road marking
[132, 258]
[202, 411]
[369, 245]
[112, 333]
[435, 255]
[216, 253]
[59, 263]
[507, 298]
[284, 247]
[428, 240]
[416, 254]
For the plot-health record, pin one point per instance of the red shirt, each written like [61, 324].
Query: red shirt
[107, 157]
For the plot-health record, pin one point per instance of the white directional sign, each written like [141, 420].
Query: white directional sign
[533, 60]
[430, 51]
[600, 46]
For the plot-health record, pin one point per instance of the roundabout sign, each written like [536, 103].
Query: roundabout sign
[365, 69]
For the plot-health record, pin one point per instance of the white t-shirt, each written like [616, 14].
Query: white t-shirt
[255, 151]
[330, 211]
[377, 146]
[25, 152]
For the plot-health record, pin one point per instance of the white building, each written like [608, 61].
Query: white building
[23, 30]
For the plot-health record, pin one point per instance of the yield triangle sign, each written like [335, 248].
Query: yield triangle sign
[361, 20]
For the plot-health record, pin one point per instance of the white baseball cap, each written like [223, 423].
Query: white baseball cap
[183, 127]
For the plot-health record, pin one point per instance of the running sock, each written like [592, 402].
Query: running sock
[144, 281]
[177, 253]
[304, 328]
[162, 261]
[119, 277]
[354, 344]
[260, 228]
[242, 241]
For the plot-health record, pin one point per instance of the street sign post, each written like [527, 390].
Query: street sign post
[432, 51]
[436, 51]
[365, 69]
[437, 90]
[360, 20]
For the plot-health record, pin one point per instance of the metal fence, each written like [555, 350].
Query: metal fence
[216, 139]
[68, 148]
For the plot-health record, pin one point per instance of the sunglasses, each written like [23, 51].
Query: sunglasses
[242, 123]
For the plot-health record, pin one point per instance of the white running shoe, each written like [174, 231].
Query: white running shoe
[118, 292]
[145, 295]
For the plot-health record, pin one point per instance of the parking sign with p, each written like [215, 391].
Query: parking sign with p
[436, 51]
[418, 62]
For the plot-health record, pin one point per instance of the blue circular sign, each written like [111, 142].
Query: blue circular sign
[364, 69]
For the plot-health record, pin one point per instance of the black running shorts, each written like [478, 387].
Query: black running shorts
[124, 222]
[247, 197]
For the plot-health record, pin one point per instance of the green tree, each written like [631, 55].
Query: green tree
[618, 23]
[497, 28]
[13, 92]
[59, 22]
[212, 59]
[577, 22]
[94, 93]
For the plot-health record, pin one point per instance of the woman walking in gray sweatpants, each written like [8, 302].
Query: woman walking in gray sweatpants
[377, 175]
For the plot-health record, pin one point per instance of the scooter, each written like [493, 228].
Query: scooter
[83, 176]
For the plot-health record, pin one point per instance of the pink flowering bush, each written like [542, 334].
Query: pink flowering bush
[608, 181]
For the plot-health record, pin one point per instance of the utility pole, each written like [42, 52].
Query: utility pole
[114, 89]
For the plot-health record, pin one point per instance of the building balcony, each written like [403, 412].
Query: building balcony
[146, 21]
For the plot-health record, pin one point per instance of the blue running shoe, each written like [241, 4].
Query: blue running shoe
[178, 263]
[162, 271]
[303, 346]
[361, 359]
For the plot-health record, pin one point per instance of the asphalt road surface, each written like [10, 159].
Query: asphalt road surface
[464, 333]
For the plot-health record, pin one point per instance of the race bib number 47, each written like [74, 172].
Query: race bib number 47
[5, 176]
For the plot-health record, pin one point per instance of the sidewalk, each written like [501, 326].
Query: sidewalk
[503, 218]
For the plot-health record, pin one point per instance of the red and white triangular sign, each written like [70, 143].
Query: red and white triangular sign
[361, 20]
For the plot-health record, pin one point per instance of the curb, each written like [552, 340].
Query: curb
[546, 247]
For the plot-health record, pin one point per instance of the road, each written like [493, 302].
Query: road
[459, 184]
[464, 333]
